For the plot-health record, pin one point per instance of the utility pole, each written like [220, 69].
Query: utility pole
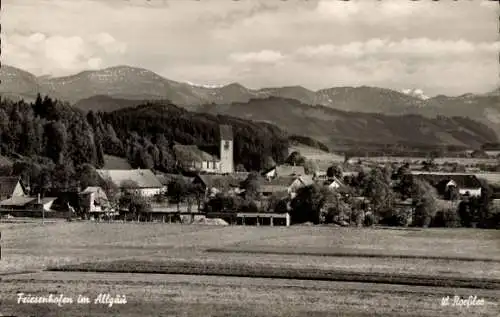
[43, 210]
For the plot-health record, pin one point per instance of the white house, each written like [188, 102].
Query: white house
[465, 183]
[94, 199]
[471, 190]
[142, 181]
[334, 183]
[191, 158]
[299, 182]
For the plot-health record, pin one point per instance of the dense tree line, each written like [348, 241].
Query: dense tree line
[49, 141]
[154, 126]
[53, 144]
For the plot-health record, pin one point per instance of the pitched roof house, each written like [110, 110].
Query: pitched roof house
[147, 183]
[299, 182]
[285, 171]
[94, 199]
[271, 186]
[214, 184]
[11, 187]
[333, 183]
[193, 159]
[465, 183]
[27, 203]
[283, 184]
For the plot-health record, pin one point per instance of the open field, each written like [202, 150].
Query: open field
[183, 295]
[415, 160]
[462, 259]
[325, 159]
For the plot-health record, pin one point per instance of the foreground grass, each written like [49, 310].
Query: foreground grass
[432, 257]
[183, 295]
[36, 246]
[281, 271]
[342, 252]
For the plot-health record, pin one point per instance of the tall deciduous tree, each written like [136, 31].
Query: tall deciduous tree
[177, 191]
[424, 199]
[307, 204]
[334, 171]
[55, 138]
[380, 193]
[251, 185]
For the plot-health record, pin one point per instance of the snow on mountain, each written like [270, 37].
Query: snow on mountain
[204, 85]
[419, 93]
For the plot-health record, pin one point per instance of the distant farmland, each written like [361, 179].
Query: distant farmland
[325, 159]
[416, 160]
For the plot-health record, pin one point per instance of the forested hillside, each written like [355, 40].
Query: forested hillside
[336, 128]
[53, 144]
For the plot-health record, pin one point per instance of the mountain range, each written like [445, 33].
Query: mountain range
[123, 86]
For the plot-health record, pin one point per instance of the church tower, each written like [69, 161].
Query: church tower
[226, 149]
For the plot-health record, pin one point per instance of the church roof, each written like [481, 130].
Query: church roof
[226, 132]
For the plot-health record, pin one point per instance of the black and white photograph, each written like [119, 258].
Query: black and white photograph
[296, 158]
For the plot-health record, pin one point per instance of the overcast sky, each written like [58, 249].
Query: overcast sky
[443, 47]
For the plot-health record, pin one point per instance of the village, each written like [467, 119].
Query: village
[213, 190]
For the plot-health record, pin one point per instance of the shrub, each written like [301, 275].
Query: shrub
[369, 219]
[398, 219]
[448, 218]
[359, 217]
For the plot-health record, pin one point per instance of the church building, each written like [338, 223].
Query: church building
[194, 159]
[226, 149]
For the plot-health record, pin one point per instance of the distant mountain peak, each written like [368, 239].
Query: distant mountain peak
[234, 85]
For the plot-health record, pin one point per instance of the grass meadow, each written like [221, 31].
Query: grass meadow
[316, 270]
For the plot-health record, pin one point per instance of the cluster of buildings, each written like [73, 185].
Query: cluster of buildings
[213, 175]
[15, 199]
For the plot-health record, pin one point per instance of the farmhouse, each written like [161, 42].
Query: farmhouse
[283, 185]
[26, 206]
[284, 171]
[299, 182]
[142, 181]
[214, 184]
[166, 179]
[465, 183]
[334, 183]
[268, 187]
[11, 187]
[94, 200]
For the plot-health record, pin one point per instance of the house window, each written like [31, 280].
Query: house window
[226, 145]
